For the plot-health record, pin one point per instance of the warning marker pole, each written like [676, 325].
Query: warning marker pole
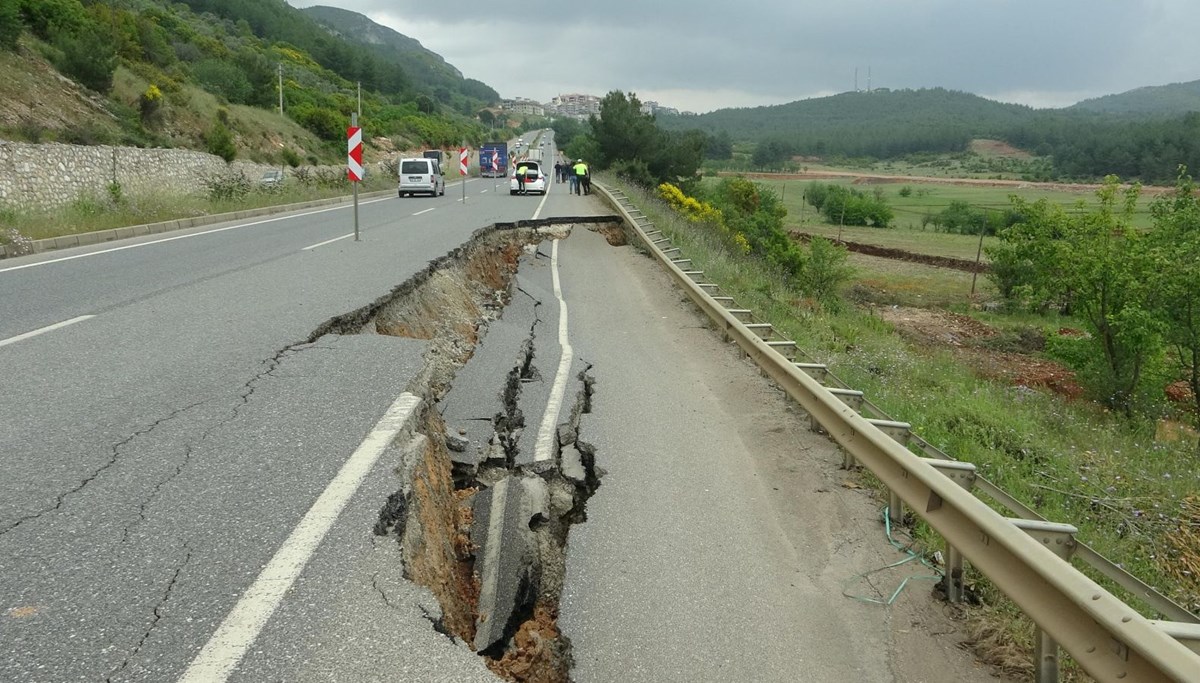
[354, 167]
[463, 158]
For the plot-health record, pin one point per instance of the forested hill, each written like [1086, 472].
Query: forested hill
[1081, 144]
[852, 109]
[207, 74]
[881, 123]
[1173, 99]
[427, 68]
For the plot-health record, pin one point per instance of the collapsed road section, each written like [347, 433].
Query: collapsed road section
[484, 505]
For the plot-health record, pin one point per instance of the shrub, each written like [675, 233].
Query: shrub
[10, 24]
[150, 103]
[226, 186]
[825, 272]
[290, 157]
[88, 58]
[219, 141]
[906, 191]
[635, 171]
[848, 206]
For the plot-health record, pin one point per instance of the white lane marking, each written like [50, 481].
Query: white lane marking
[321, 244]
[181, 237]
[539, 211]
[245, 621]
[491, 557]
[482, 191]
[544, 449]
[424, 211]
[44, 330]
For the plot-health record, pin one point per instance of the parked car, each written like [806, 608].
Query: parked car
[535, 180]
[272, 178]
[421, 176]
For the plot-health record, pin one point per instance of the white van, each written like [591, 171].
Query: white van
[421, 176]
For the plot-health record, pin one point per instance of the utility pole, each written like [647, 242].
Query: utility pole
[360, 98]
[280, 72]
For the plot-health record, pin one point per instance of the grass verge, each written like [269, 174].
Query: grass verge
[1132, 496]
[116, 210]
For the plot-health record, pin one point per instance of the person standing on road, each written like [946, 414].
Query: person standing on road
[521, 170]
[580, 174]
[558, 173]
[573, 179]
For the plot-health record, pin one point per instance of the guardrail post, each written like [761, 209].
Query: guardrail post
[963, 474]
[1060, 539]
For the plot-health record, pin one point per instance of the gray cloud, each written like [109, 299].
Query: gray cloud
[708, 55]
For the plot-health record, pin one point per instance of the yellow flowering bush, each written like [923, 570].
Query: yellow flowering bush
[692, 209]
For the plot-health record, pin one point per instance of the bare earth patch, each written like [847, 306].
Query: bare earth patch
[962, 334]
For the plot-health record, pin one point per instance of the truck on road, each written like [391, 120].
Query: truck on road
[493, 160]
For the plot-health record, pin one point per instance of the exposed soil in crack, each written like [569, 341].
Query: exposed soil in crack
[435, 515]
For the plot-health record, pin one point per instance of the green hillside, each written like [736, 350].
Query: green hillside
[883, 123]
[1076, 143]
[428, 69]
[1173, 99]
[205, 74]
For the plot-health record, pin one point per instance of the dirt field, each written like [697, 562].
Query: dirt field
[967, 338]
[880, 179]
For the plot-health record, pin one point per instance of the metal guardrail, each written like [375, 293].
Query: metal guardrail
[1026, 559]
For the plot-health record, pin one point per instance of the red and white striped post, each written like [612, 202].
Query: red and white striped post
[354, 167]
[463, 158]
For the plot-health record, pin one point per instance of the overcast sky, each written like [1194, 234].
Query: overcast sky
[700, 55]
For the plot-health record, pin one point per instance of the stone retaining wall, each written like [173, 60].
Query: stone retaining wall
[49, 175]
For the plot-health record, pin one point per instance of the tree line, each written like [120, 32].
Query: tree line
[1080, 144]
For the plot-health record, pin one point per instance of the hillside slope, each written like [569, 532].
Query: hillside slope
[206, 74]
[426, 67]
[1167, 100]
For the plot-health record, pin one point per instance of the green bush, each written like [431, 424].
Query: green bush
[290, 157]
[841, 205]
[88, 57]
[227, 186]
[219, 141]
[49, 18]
[10, 24]
[825, 272]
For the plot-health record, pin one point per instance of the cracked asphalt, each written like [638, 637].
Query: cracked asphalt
[156, 455]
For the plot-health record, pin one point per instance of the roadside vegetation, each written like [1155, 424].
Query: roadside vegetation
[1127, 480]
[221, 193]
[204, 74]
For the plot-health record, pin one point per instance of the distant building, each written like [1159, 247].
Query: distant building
[522, 105]
[654, 108]
[575, 105]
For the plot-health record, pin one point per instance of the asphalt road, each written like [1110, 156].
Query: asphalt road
[157, 453]
[162, 447]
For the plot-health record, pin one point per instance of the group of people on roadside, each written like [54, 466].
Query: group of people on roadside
[577, 174]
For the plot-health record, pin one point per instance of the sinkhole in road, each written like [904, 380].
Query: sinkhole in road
[479, 520]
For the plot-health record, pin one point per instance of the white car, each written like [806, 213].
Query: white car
[535, 180]
[422, 176]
